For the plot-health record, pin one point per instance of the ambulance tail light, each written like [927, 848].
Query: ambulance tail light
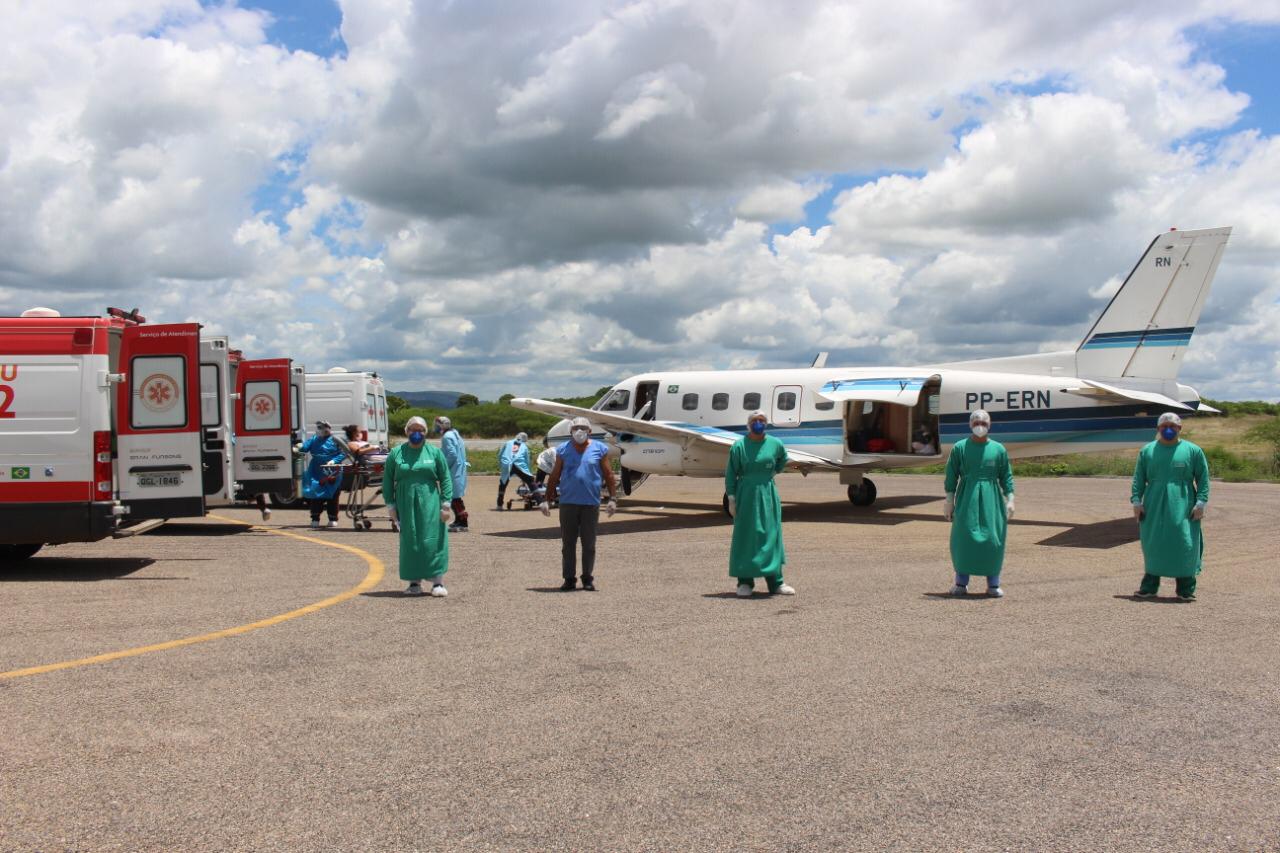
[102, 465]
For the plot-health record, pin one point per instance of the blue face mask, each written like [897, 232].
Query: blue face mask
[1169, 433]
[417, 437]
[757, 427]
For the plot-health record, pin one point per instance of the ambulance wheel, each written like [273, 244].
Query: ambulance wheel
[17, 553]
[284, 500]
[863, 494]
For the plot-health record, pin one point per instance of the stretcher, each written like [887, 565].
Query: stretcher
[361, 478]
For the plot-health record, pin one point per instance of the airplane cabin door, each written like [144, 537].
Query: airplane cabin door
[264, 421]
[786, 405]
[159, 464]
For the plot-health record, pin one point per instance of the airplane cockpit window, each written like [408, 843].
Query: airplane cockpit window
[786, 401]
[689, 403]
[751, 402]
[615, 402]
[719, 402]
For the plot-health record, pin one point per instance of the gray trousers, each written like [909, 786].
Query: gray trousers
[577, 520]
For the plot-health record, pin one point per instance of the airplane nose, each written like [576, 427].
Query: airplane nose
[559, 431]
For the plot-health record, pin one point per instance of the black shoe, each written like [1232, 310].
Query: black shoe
[589, 586]
[569, 586]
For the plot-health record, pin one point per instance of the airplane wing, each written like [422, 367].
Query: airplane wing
[1102, 391]
[685, 435]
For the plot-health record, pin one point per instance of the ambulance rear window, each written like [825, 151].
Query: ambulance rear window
[294, 412]
[210, 396]
[159, 398]
[262, 406]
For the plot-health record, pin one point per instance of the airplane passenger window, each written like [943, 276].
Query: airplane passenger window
[720, 402]
[751, 402]
[690, 402]
[825, 405]
[786, 401]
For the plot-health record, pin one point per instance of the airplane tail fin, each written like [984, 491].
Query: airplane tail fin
[1144, 331]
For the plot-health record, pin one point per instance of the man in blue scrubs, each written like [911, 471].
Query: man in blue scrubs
[582, 464]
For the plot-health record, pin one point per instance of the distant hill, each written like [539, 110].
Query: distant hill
[429, 399]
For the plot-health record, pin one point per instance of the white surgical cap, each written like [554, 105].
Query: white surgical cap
[444, 422]
[756, 414]
[522, 437]
[979, 415]
[415, 421]
[579, 422]
[1169, 418]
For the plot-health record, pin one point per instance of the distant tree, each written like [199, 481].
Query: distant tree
[395, 403]
[506, 398]
[468, 400]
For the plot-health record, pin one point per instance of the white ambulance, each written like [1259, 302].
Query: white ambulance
[342, 397]
[100, 427]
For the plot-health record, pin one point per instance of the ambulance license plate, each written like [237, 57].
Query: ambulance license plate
[159, 480]
[262, 466]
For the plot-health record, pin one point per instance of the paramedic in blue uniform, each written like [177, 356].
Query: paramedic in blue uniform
[513, 458]
[455, 456]
[581, 465]
[320, 484]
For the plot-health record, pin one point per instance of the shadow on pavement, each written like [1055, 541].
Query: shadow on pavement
[758, 595]
[946, 596]
[550, 589]
[78, 570]
[393, 593]
[1162, 599]
[1100, 534]
[178, 528]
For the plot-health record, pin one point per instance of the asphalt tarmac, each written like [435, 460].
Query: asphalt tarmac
[868, 712]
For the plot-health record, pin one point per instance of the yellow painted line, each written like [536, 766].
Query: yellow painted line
[371, 579]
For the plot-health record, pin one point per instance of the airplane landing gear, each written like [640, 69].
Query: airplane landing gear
[863, 494]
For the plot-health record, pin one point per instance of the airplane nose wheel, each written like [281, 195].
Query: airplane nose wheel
[863, 494]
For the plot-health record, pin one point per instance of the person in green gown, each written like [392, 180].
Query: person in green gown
[756, 551]
[979, 504]
[417, 487]
[1169, 496]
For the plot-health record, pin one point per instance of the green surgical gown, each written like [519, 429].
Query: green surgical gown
[757, 521]
[1168, 481]
[983, 475]
[417, 484]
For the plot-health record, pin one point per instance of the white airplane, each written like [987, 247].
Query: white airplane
[1104, 395]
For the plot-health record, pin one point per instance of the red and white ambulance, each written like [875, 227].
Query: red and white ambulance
[100, 427]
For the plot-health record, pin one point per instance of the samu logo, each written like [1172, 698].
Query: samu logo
[159, 392]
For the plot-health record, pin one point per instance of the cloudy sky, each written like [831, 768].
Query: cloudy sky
[542, 198]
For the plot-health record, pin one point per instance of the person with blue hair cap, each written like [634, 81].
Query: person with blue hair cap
[513, 458]
[1169, 494]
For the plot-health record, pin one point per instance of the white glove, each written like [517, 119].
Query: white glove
[446, 515]
[733, 506]
[1197, 512]
[610, 508]
[1138, 512]
[545, 509]
[949, 507]
[1008, 507]
[395, 516]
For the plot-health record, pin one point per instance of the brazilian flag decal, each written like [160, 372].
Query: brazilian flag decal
[20, 473]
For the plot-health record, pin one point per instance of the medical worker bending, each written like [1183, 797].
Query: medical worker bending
[418, 487]
[756, 550]
[455, 456]
[581, 465]
[514, 459]
[320, 484]
[979, 504]
[1170, 492]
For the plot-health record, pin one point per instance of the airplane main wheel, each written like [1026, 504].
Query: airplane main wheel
[863, 494]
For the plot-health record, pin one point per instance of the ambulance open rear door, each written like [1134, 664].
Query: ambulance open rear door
[264, 417]
[158, 458]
